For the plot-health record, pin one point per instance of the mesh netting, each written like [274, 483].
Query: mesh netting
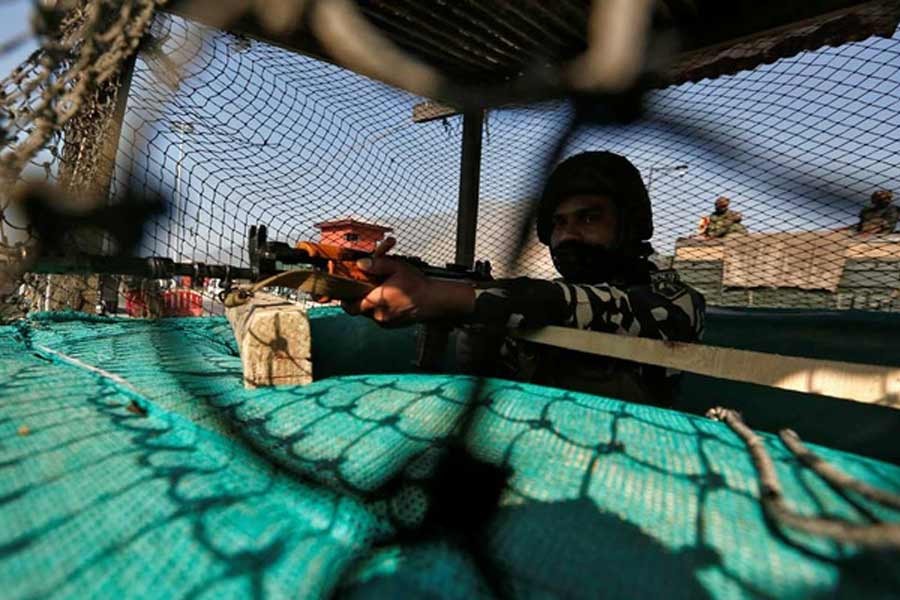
[157, 445]
[257, 134]
[136, 463]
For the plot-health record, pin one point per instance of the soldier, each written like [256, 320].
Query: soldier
[595, 216]
[724, 221]
[880, 216]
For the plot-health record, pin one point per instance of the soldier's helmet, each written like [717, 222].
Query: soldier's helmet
[722, 203]
[882, 197]
[600, 173]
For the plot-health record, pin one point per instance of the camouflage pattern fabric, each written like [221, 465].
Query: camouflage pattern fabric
[664, 308]
[878, 219]
[725, 224]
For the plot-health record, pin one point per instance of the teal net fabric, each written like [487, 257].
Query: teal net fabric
[133, 463]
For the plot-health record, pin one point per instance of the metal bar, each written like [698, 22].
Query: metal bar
[147, 268]
[469, 174]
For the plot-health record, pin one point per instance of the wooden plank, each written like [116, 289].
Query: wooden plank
[868, 384]
[273, 339]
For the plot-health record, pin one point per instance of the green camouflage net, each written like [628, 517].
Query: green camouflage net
[134, 463]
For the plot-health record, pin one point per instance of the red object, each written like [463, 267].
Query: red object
[341, 260]
[174, 303]
[351, 233]
[135, 305]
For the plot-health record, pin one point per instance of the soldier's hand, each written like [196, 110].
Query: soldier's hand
[403, 297]
[407, 295]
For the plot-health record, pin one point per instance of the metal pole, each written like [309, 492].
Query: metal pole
[179, 213]
[178, 226]
[109, 285]
[47, 294]
[469, 174]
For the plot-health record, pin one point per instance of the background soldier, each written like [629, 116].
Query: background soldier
[881, 216]
[724, 221]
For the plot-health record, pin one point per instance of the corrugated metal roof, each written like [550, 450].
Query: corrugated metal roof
[830, 29]
[491, 41]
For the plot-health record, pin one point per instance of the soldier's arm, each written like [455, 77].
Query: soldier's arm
[406, 295]
[638, 310]
[863, 214]
[891, 218]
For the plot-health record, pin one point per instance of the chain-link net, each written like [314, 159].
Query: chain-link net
[59, 114]
[165, 449]
[798, 146]
[255, 134]
[608, 497]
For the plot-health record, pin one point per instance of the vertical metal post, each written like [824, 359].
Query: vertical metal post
[109, 284]
[469, 174]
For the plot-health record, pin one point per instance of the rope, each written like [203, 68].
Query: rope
[832, 474]
[878, 535]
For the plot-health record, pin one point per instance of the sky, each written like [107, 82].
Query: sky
[289, 141]
[14, 15]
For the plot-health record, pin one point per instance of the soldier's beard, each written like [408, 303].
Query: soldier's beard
[578, 262]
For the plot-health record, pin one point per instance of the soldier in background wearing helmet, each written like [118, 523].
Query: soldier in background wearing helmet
[595, 217]
[880, 217]
[724, 221]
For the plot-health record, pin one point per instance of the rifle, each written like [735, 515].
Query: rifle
[317, 269]
[311, 267]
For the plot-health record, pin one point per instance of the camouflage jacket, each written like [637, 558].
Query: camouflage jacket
[873, 219]
[665, 308]
[724, 224]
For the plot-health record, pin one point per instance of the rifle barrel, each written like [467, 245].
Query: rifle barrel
[153, 267]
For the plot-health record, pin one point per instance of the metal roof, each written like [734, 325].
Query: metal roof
[492, 41]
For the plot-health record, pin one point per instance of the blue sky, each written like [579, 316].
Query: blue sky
[14, 16]
[286, 140]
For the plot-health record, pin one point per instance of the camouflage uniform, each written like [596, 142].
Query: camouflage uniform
[878, 219]
[725, 224]
[664, 308]
[611, 289]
